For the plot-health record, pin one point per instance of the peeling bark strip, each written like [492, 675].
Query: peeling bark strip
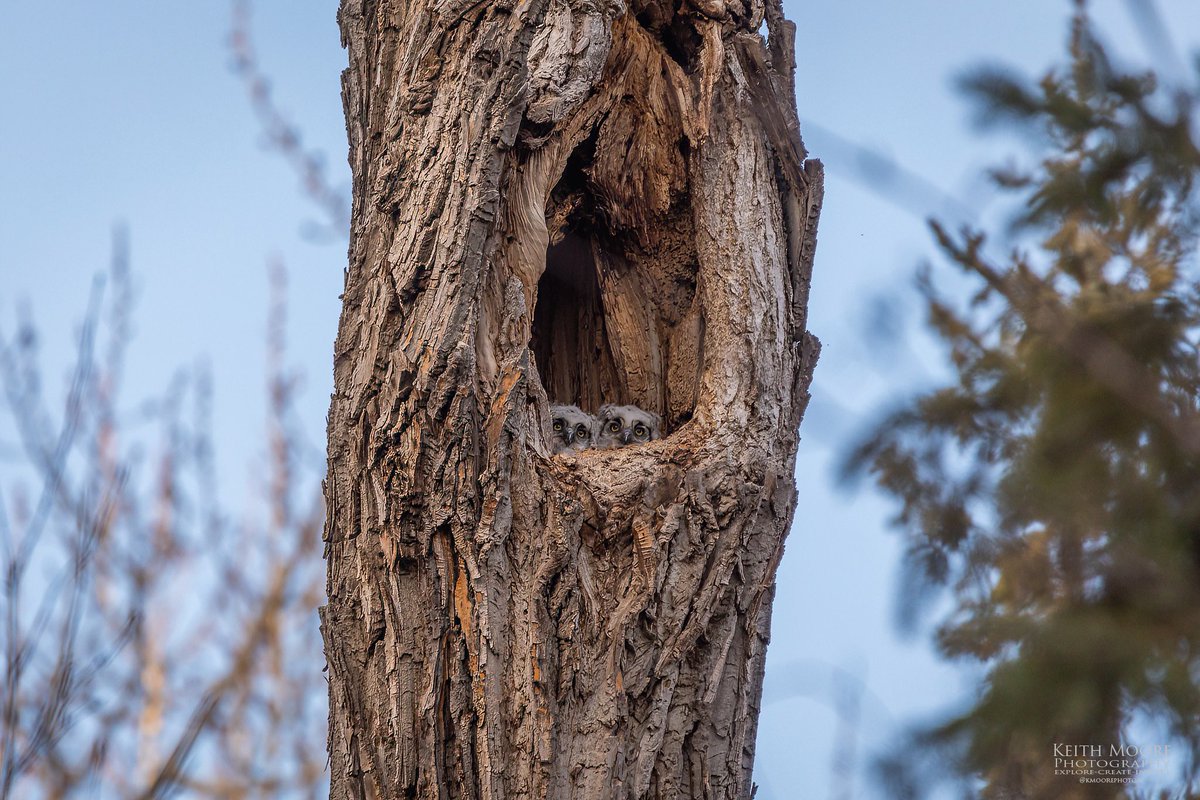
[613, 204]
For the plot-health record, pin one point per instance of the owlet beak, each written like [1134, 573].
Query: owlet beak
[626, 436]
[570, 435]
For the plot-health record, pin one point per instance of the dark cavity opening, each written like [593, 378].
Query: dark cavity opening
[570, 342]
[618, 318]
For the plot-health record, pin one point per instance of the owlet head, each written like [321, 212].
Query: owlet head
[625, 425]
[571, 429]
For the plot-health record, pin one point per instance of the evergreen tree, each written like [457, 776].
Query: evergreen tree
[1054, 485]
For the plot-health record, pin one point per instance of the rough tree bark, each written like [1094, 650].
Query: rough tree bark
[578, 201]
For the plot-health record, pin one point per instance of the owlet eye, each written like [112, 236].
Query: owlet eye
[580, 430]
[614, 426]
[558, 426]
[639, 430]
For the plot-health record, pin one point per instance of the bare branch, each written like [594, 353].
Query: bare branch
[282, 135]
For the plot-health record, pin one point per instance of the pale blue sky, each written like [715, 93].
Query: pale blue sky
[128, 111]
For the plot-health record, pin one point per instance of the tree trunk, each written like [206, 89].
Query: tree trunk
[575, 201]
